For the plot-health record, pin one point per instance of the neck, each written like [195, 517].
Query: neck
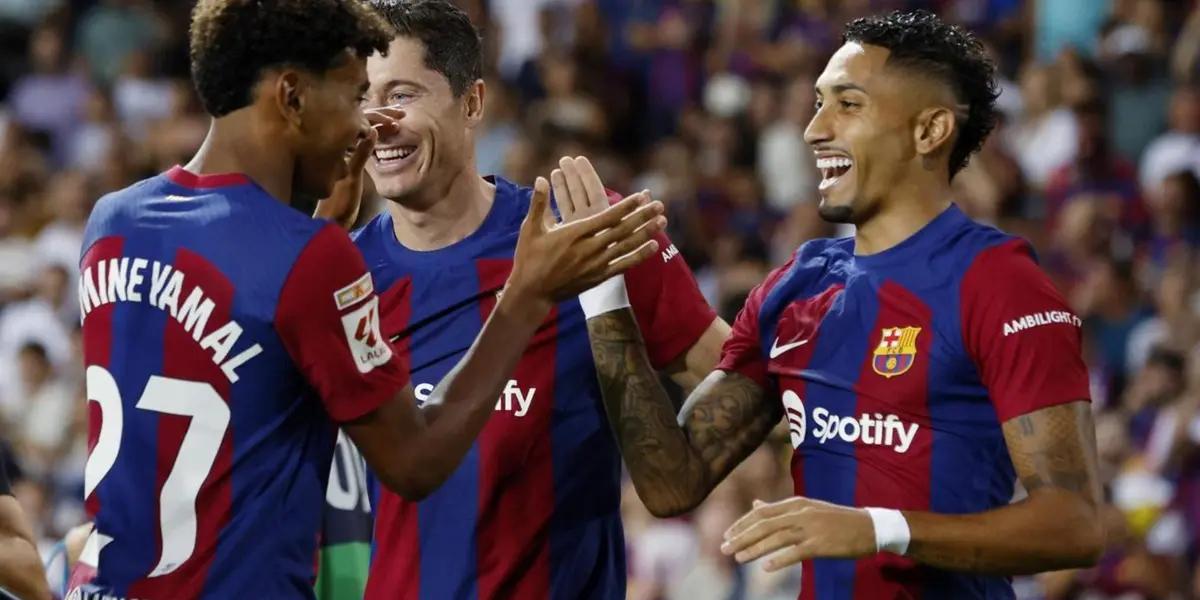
[233, 145]
[442, 215]
[905, 210]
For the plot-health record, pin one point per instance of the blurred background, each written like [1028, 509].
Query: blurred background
[703, 102]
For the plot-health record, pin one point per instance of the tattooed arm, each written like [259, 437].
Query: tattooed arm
[674, 462]
[1056, 527]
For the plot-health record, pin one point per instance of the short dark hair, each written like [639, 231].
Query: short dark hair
[234, 41]
[452, 43]
[921, 41]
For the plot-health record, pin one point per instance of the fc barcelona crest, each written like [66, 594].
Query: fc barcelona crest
[896, 351]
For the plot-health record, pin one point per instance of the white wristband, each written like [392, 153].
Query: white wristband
[610, 295]
[891, 530]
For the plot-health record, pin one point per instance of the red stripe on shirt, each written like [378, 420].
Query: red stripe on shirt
[516, 487]
[887, 477]
[799, 321]
[397, 534]
[184, 359]
[97, 351]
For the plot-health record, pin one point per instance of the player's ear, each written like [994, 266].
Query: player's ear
[289, 90]
[473, 103]
[935, 130]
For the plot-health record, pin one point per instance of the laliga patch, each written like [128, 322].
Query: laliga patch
[351, 294]
[367, 346]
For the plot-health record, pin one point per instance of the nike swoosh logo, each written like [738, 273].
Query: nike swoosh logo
[777, 350]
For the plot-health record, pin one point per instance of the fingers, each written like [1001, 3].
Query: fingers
[613, 215]
[562, 196]
[539, 205]
[578, 192]
[630, 260]
[788, 557]
[632, 232]
[362, 150]
[597, 198]
[385, 121]
[635, 240]
[763, 538]
[762, 510]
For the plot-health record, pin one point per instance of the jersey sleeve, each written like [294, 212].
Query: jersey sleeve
[742, 352]
[328, 319]
[1024, 339]
[670, 310]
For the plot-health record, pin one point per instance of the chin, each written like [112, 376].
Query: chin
[835, 213]
[396, 186]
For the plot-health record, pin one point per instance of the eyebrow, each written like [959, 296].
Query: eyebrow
[392, 83]
[843, 87]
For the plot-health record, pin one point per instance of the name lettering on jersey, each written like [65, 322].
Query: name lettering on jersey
[513, 399]
[872, 429]
[79, 594]
[1047, 317]
[669, 253]
[124, 280]
[351, 294]
[367, 346]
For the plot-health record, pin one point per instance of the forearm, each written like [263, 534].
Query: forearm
[667, 472]
[1056, 527]
[1055, 530]
[20, 566]
[460, 405]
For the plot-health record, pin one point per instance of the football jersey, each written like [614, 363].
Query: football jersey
[896, 370]
[533, 510]
[346, 527]
[224, 334]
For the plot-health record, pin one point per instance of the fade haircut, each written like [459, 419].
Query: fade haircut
[920, 41]
[234, 41]
[452, 43]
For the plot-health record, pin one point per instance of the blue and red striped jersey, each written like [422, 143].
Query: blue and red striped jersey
[896, 371]
[533, 510]
[224, 334]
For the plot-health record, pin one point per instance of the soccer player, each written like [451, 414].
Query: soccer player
[533, 511]
[922, 364]
[20, 566]
[225, 333]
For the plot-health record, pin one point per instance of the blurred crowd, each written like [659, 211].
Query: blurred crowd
[704, 102]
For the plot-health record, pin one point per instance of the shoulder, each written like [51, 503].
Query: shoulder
[511, 203]
[999, 255]
[974, 242]
[112, 207]
[371, 234]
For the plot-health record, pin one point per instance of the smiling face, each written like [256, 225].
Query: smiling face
[332, 98]
[876, 128]
[435, 140]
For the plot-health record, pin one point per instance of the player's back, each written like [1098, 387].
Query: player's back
[208, 455]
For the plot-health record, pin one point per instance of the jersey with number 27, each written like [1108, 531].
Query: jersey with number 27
[225, 334]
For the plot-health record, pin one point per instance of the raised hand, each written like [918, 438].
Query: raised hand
[556, 262]
[578, 191]
[800, 529]
[343, 203]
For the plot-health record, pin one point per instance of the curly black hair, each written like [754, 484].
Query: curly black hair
[920, 41]
[452, 43]
[234, 41]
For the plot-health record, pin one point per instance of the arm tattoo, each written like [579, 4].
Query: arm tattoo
[673, 470]
[1050, 449]
[1055, 527]
[726, 420]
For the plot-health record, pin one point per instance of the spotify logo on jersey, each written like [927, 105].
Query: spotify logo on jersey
[867, 429]
[793, 407]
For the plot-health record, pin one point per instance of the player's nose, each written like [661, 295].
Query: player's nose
[819, 130]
